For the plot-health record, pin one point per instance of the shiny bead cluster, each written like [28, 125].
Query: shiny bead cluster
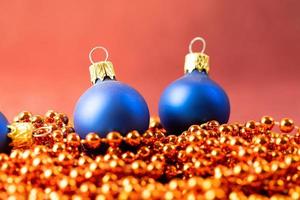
[255, 160]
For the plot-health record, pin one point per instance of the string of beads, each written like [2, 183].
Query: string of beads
[208, 161]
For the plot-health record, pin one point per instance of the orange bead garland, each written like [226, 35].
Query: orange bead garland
[208, 161]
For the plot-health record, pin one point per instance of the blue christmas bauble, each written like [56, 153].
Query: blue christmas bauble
[4, 139]
[110, 105]
[192, 99]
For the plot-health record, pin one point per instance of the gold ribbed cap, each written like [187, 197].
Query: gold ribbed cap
[101, 70]
[196, 60]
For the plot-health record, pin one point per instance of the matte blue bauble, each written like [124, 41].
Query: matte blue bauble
[4, 139]
[110, 105]
[192, 99]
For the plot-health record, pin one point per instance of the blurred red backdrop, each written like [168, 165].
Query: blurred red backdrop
[253, 45]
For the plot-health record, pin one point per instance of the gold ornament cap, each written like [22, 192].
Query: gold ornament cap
[102, 69]
[196, 60]
[21, 134]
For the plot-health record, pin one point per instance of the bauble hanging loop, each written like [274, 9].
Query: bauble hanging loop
[193, 98]
[109, 105]
[195, 40]
[94, 49]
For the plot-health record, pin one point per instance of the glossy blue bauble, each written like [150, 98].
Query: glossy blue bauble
[110, 105]
[4, 139]
[192, 99]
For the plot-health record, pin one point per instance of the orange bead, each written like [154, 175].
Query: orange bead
[57, 136]
[128, 157]
[84, 160]
[188, 169]
[115, 151]
[37, 121]
[73, 140]
[204, 126]
[61, 119]
[88, 188]
[158, 146]
[195, 139]
[185, 133]
[192, 149]
[67, 184]
[182, 141]
[16, 154]
[58, 147]
[213, 124]
[64, 158]
[139, 167]
[169, 150]
[251, 125]
[92, 140]
[67, 129]
[171, 139]
[148, 137]
[39, 149]
[133, 138]
[182, 156]
[116, 165]
[155, 169]
[159, 135]
[144, 152]
[235, 129]
[225, 129]
[158, 157]
[286, 125]
[267, 122]
[171, 171]
[24, 116]
[109, 177]
[49, 116]
[194, 129]
[114, 139]
[3, 157]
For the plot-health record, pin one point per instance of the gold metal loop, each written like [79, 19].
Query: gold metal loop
[195, 40]
[95, 48]
[44, 134]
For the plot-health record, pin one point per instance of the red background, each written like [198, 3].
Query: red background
[254, 48]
